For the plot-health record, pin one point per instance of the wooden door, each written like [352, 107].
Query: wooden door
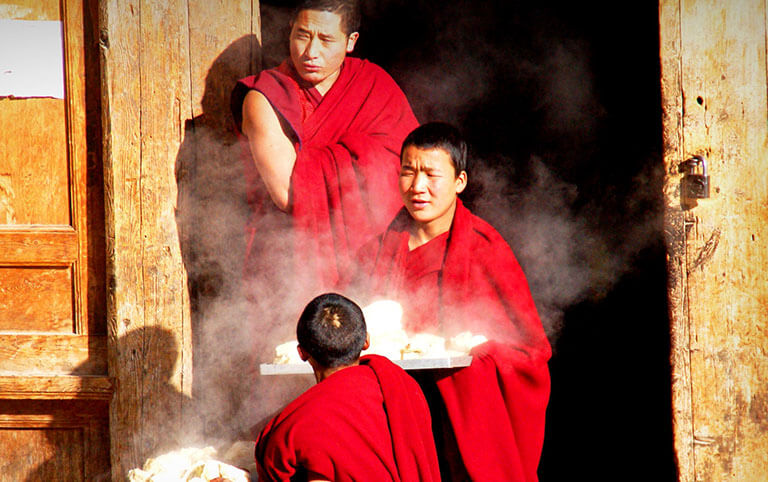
[54, 392]
[714, 89]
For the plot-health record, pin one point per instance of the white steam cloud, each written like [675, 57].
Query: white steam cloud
[565, 249]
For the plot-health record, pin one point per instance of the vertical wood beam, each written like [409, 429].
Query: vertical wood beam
[714, 87]
[156, 59]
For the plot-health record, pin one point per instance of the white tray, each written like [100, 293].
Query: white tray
[413, 364]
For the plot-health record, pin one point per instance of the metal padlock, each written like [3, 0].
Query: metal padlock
[695, 181]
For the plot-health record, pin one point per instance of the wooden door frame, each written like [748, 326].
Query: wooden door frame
[713, 59]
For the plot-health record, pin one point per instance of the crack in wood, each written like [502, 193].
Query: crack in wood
[707, 251]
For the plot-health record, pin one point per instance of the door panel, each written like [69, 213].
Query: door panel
[34, 185]
[54, 389]
[23, 288]
[43, 217]
[54, 440]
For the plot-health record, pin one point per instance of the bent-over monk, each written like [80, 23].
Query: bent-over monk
[366, 419]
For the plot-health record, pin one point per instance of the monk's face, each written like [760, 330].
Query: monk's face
[318, 46]
[429, 185]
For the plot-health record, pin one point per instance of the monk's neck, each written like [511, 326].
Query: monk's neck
[327, 83]
[321, 87]
[422, 233]
[321, 373]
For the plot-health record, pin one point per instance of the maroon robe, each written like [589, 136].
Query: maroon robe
[469, 279]
[343, 185]
[368, 422]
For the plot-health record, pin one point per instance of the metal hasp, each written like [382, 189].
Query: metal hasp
[695, 181]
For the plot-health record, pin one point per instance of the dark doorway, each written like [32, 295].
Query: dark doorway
[561, 104]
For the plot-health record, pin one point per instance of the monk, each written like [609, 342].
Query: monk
[453, 272]
[366, 419]
[321, 137]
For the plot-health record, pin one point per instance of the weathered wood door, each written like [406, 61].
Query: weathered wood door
[714, 102]
[54, 392]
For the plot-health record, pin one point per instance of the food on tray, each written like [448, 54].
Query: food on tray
[465, 341]
[383, 319]
[287, 353]
[424, 345]
[388, 338]
[188, 464]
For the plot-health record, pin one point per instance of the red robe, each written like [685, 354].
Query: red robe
[469, 279]
[344, 182]
[368, 422]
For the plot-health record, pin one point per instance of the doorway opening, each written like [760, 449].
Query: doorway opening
[562, 111]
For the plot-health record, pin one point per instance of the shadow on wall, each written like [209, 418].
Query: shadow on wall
[211, 215]
[161, 406]
[158, 408]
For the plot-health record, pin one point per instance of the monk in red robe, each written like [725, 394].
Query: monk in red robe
[453, 272]
[321, 136]
[366, 419]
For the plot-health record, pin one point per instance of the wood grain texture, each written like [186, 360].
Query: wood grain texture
[121, 104]
[55, 388]
[36, 299]
[31, 10]
[48, 453]
[96, 264]
[74, 74]
[156, 60]
[714, 93]
[674, 231]
[54, 440]
[52, 354]
[42, 186]
[38, 246]
[34, 171]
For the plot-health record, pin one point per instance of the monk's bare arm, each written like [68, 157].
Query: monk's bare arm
[272, 151]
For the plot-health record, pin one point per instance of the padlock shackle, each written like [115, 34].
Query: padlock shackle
[700, 160]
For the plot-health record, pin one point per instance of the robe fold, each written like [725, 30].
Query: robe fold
[472, 281]
[368, 422]
[344, 182]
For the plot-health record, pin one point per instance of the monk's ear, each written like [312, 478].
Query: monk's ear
[367, 341]
[302, 354]
[461, 182]
[351, 41]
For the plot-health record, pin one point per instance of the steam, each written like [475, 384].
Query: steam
[541, 131]
[230, 337]
[566, 246]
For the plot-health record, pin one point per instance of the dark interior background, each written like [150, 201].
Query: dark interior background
[570, 89]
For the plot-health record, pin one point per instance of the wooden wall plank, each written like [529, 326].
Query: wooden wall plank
[119, 39]
[127, 41]
[672, 119]
[716, 78]
[156, 60]
[222, 48]
[211, 211]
